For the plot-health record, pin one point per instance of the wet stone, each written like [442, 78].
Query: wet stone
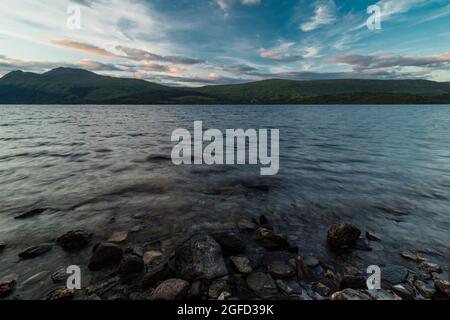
[443, 286]
[151, 256]
[413, 256]
[169, 290]
[74, 240]
[351, 294]
[6, 288]
[105, 255]
[343, 235]
[60, 275]
[425, 289]
[311, 262]
[218, 287]
[246, 225]
[280, 270]
[242, 264]
[60, 294]
[405, 291]
[200, 258]
[262, 284]
[118, 237]
[230, 243]
[156, 274]
[430, 267]
[383, 295]
[35, 251]
[289, 287]
[394, 274]
[271, 240]
[131, 264]
[198, 291]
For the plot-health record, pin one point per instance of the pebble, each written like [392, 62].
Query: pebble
[35, 251]
[409, 255]
[105, 255]
[151, 256]
[430, 267]
[280, 270]
[425, 289]
[351, 294]
[6, 288]
[60, 294]
[343, 235]
[118, 237]
[262, 284]
[169, 290]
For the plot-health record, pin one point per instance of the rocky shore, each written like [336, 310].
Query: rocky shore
[252, 262]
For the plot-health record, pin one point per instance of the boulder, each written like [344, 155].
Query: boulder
[105, 255]
[35, 251]
[7, 288]
[170, 290]
[343, 235]
[60, 294]
[262, 285]
[242, 264]
[74, 240]
[351, 294]
[200, 258]
[270, 240]
[230, 243]
[280, 270]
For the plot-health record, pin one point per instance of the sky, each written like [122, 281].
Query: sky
[209, 42]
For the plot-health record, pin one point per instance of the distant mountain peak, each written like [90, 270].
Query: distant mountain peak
[64, 71]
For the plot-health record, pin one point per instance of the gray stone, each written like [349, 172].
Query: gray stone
[105, 255]
[246, 225]
[280, 270]
[383, 295]
[289, 287]
[414, 256]
[443, 286]
[198, 291]
[155, 274]
[311, 262]
[169, 290]
[405, 291]
[242, 264]
[262, 284]
[35, 251]
[131, 264]
[200, 258]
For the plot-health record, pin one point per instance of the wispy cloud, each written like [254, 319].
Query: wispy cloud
[324, 13]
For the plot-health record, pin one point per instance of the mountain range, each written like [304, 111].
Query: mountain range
[77, 86]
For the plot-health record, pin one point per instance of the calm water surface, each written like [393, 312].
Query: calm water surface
[105, 168]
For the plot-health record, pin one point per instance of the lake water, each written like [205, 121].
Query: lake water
[106, 168]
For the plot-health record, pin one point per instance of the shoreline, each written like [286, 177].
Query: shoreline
[251, 262]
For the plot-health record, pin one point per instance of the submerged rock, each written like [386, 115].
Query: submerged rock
[343, 235]
[394, 275]
[218, 287]
[74, 240]
[118, 237]
[60, 294]
[198, 291]
[105, 255]
[246, 225]
[60, 275]
[383, 295]
[280, 270]
[425, 289]
[430, 267]
[131, 264]
[405, 291]
[2, 246]
[156, 274]
[200, 258]
[230, 243]
[7, 288]
[242, 264]
[270, 240]
[35, 251]
[262, 284]
[31, 213]
[151, 256]
[169, 290]
[409, 255]
[289, 287]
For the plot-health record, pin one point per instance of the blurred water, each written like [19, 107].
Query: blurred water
[105, 168]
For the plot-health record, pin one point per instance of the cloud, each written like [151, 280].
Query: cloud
[283, 52]
[324, 13]
[239, 69]
[224, 5]
[389, 61]
[83, 47]
[143, 55]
